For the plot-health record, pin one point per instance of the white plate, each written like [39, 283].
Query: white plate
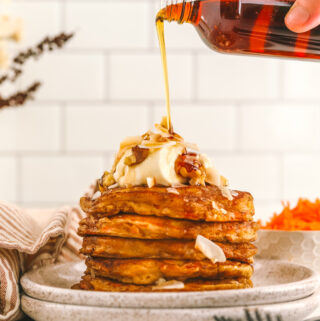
[48, 311]
[274, 282]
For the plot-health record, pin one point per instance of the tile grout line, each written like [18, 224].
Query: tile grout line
[281, 81]
[238, 128]
[151, 46]
[194, 75]
[63, 16]
[217, 152]
[18, 178]
[281, 175]
[63, 128]
[151, 115]
[107, 76]
[259, 103]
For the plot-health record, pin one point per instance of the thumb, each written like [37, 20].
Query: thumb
[303, 15]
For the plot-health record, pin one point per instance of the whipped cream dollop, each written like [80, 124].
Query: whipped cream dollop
[160, 158]
[159, 165]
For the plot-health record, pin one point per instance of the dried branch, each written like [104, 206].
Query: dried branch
[20, 97]
[47, 44]
[15, 71]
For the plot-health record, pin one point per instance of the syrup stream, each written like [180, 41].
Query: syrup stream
[162, 44]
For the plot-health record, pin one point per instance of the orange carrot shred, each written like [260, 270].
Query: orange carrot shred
[305, 216]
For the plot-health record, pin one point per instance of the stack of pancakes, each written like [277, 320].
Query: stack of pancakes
[138, 238]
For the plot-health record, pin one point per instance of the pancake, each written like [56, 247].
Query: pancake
[115, 247]
[148, 271]
[151, 227]
[102, 284]
[204, 203]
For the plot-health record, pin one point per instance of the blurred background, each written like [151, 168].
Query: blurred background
[257, 118]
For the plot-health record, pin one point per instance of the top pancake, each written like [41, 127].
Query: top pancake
[199, 203]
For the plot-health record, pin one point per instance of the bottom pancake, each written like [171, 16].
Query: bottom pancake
[102, 284]
[149, 271]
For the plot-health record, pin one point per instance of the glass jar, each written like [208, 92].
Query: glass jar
[244, 26]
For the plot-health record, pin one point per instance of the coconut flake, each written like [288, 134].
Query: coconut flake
[226, 193]
[210, 250]
[151, 181]
[215, 206]
[114, 186]
[191, 146]
[150, 144]
[178, 185]
[172, 190]
[161, 281]
[162, 284]
[130, 141]
[96, 195]
[193, 151]
[232, 216]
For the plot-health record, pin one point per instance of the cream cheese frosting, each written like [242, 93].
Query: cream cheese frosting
[160, 158]
[160, 165]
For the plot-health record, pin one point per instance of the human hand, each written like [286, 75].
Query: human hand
[303, 15]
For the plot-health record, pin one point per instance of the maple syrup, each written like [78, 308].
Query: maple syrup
[238, 26]
[162, 44]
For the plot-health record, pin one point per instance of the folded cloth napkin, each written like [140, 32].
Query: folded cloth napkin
[27, 243]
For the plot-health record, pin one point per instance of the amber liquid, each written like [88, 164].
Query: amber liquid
[162, 44]
[246, 26]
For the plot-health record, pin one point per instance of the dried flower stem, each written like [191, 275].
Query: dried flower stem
[15, 71]
[47, 44]
[20, 97]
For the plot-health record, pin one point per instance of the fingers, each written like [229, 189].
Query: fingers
[303, 15]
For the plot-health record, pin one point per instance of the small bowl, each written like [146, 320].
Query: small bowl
[302, 247]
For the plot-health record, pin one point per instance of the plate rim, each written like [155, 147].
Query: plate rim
[31, 288]
[312, 302]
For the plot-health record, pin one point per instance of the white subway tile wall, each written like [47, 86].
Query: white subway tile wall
[93, 128]
[30, 129]
[257, 118]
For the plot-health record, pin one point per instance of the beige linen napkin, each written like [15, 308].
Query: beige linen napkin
[26, 244]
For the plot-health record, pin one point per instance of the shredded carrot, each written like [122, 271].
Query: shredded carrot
[304, 217]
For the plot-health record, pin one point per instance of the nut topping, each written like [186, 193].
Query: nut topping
[105, 181]
[138, 156]
[188, 165]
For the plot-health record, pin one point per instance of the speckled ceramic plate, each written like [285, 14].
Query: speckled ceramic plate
[48, 311]
[274, 282]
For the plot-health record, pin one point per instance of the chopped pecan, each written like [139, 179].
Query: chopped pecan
[130, 160]
[138, 156]
[105, 181]
[189, 166]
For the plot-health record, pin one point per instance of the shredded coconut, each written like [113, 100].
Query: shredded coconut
[226, 193]
[210, 250]
[96, 195]
[114, 186]
[172, 190]
[151, 182]
[162, 284]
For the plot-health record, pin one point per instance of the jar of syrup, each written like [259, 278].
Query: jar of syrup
[244, 26]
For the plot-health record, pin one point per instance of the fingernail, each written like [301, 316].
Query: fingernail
[297, 16]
